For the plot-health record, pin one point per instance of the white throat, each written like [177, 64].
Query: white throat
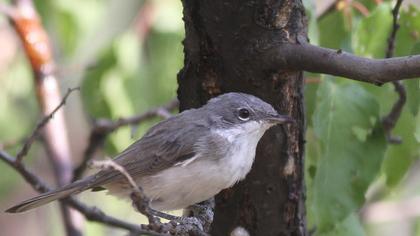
[243, 141]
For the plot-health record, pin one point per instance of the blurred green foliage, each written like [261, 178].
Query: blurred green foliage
[347, 155]
[124, 55]
[125, 64]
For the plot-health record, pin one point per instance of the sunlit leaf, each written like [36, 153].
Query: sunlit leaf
[400, 157]
[335, 37]
[93, 98]
[350, 226]
[370, 37]
[409, 31]
[346, 165]
[116, 19]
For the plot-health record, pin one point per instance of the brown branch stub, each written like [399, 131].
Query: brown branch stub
[316, 59]
[35, 133]
[103, 127]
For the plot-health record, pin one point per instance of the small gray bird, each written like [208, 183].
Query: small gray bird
[187, 158]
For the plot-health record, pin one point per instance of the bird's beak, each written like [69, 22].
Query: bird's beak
[280, 119]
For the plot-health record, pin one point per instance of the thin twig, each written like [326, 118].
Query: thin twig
[35, 133]
[395, 27]
[103, 127]
[142, 202]
[108, 126]
[391, 119]
[91, 213]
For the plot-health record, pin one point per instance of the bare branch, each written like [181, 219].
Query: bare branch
[92, 214]
[316, 59]
[38, 50]
[108, 126]
[35, 133]
[31, 178]
[103, 127]
[391, 119]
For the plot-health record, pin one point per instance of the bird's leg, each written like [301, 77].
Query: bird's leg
[142, 204]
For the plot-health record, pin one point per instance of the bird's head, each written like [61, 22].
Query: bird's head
[243, 113]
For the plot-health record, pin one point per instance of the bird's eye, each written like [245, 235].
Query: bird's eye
[243, 114]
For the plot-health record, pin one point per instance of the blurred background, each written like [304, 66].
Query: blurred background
[125, 55]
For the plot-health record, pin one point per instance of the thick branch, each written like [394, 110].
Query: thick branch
[336, 62]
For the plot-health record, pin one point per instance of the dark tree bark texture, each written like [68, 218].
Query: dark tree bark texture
[224, 43]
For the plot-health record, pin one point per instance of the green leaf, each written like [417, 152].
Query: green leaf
[312, 155]
[67, 30]
[116, 19]
[370, 37]
[350, 226]
[310, 97]
[413, 95]
[413, 86]
[347, 164]
[409, 31]
[92, 97]
[310, 10]
[338, 36]
[399, 158]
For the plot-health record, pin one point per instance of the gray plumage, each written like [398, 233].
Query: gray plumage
[187, 158]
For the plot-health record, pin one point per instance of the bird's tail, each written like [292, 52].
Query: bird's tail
[65, 191]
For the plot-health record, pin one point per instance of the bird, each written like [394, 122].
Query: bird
[185, 159]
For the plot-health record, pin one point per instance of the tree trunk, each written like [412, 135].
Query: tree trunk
[223, 44]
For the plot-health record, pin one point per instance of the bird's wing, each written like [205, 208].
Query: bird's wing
[167, 143]
[164, 145]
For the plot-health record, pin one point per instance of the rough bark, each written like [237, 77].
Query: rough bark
[223, 47]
